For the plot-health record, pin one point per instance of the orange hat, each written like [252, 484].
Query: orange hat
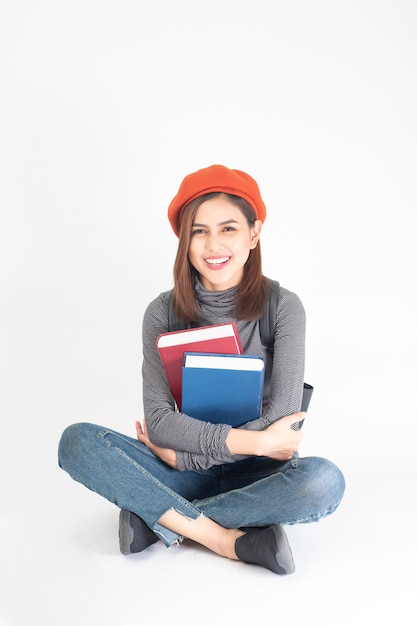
[215, 178]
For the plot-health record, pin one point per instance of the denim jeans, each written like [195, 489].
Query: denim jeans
[258, 491]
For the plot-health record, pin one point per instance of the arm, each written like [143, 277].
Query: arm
[278, 441]
[284, 378]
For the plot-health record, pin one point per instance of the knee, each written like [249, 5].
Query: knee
[330, 484]
[73, 443]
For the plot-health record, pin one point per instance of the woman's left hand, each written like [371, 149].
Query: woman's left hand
[165, 454]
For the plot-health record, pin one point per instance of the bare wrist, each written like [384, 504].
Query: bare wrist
[248, 442]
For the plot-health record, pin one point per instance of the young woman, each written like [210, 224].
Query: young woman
[230, 489]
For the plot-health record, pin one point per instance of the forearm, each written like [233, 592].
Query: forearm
[238, 445]
[246, 442]
[279, 441]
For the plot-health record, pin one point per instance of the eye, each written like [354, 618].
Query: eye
[197, 231]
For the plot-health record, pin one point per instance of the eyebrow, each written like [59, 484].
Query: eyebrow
[219, 224]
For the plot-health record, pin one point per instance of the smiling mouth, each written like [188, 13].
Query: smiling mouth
[217, 261]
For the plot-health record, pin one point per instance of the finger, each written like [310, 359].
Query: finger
[297, 420]
[139, 430]
[294, 417]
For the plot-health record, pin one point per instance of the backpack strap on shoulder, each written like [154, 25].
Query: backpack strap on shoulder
[173, 322]
[268, 320]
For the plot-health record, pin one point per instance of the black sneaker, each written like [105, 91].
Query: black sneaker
[134, 534]
[267, 547]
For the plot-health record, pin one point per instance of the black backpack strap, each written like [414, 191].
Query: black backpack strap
[268, 320]
[173, 322]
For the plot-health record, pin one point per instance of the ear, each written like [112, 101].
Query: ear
[255, 234]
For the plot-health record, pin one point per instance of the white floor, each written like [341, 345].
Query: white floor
[61, 565]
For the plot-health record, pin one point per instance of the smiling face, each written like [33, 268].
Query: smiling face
[221, 240]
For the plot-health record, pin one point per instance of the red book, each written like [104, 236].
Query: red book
[220, 338]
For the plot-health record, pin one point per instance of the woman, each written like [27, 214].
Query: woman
[229, 489]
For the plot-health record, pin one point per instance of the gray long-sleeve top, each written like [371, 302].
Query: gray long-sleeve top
[199, 444]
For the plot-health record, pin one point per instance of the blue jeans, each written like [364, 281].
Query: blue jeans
[255, 492]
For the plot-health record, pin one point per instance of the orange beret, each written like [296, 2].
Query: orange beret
[209, 180]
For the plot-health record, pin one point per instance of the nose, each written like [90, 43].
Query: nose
[213, 242]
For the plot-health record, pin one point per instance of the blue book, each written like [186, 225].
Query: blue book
[222, 388]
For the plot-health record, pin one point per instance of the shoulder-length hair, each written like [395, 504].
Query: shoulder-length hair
[252, 290]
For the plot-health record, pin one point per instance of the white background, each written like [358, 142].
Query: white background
[105, 107]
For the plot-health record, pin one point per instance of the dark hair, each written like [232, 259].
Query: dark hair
[252, 290]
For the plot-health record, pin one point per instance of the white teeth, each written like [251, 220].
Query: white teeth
[217, 261]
